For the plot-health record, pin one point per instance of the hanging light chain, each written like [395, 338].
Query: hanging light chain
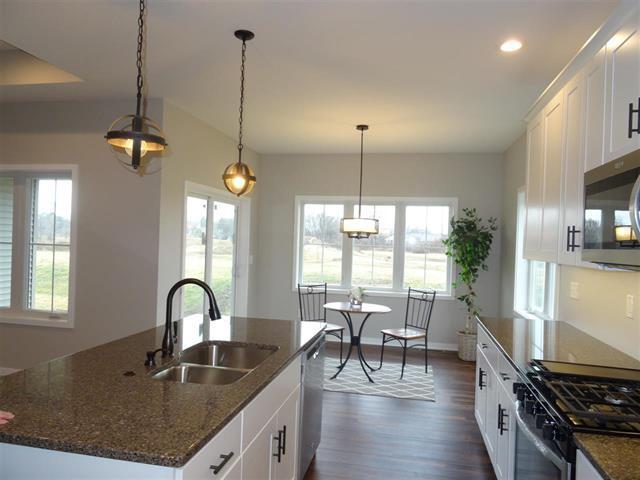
[244, 58]
[361, 162]
[139, 79]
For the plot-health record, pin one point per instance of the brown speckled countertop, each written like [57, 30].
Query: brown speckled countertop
[615, 457]
[84, 404]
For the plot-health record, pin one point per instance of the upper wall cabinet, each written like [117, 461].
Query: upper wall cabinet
[623, 90]
[594, 85]
[544, 169]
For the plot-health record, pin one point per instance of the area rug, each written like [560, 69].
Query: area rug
[415, 385]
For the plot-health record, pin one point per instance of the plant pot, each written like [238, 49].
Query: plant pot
[467, 346]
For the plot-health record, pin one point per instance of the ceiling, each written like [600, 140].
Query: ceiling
[427, 76]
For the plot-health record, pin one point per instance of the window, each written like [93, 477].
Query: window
[534, 280]
[408, 251]
[36, 240]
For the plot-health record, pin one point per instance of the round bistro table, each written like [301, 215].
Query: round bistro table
[346, 310]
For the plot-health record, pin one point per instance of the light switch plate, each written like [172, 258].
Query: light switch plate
[574, 290]
[629, 306]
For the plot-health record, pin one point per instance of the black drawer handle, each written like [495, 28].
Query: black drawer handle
[504, 376]
[481, 373]
[484, 346]
[631, 112]
[501, 416]
[225, 459]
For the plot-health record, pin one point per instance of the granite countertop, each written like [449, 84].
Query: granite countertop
[615, 457]
[83, 403]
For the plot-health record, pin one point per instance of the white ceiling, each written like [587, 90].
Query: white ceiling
[426, 75]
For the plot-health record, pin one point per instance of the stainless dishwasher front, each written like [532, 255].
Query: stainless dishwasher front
[311, 408]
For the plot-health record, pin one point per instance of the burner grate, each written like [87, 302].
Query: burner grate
[598, 402]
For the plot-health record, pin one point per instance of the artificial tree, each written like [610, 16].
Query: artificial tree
[469, 245]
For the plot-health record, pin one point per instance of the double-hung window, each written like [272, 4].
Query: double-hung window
[407, 251]
[37, 241]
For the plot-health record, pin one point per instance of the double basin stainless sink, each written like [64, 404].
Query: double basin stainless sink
[214, 363]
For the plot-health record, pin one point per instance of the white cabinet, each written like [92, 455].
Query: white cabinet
[594, 88]
[544, 172]
[258, 461]
[584, 469]
[494, 406]
[288, 424]
[623, 89]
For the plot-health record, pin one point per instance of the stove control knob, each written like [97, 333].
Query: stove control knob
[530, 405]
[548, 430]
[560, 435]
[519, 389]
[541, 418]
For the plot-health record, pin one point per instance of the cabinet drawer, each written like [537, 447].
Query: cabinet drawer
[258, 412]
[507, 375]
[486, 346]
[224, 443]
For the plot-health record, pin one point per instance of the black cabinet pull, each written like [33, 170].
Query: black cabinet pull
[504, 376]
[501, 416]
[571, 238]
[484, 346]
[225, 459]
[631, 112]
[481, 373]
[284, 440]
[279, 451]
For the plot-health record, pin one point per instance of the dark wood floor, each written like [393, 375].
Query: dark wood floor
[366, 437]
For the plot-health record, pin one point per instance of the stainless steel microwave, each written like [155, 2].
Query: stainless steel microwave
[612, 213]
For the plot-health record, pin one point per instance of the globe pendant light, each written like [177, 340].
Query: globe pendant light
[238, 177]
[359, 227]
[133, 136]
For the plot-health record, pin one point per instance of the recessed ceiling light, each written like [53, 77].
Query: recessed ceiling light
[511, 45]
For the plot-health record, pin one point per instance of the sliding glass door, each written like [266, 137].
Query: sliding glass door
[210, 251]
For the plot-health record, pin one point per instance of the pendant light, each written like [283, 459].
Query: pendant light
[238, 177]
[133, 136]
[360, 227]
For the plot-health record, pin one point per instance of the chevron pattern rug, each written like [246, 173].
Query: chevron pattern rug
[415, 385]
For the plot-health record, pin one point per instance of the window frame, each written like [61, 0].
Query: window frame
[349, 202]
[22, 209]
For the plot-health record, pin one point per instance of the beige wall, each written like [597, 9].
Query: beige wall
[514, 177]
[117, 226]
[197, 153]
[475, 179]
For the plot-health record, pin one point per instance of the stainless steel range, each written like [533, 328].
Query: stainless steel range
[557, 399]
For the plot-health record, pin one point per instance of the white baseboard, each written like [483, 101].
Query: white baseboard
[7, 371]
[453, 347]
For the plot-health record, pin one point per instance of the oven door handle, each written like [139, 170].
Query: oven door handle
[633, 207]
[544, 450]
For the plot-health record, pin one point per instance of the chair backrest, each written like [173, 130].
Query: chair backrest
[312, 299]
[419, 307]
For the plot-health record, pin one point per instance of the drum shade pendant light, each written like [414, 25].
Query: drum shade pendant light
[133, 136]
[238, 177]
[359, 227]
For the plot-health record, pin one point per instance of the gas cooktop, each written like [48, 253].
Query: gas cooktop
[591, 398]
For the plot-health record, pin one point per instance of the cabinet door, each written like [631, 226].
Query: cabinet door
[594, 88]
[551, 180]
[258, 462]
[572, 173]
[491, 418]
[623, 88]
[288, 424]
[505, 452]
[481, 389]
[535, 172]
[234, 473]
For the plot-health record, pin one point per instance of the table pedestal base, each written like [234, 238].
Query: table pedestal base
[355, 342]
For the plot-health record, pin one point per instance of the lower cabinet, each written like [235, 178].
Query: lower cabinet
[494, 409]
[260, 443]
[584, 469]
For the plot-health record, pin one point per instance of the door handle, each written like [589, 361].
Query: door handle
[632, 111]
[571, 238]
[225, 459]
[279, 448]
[284, 440]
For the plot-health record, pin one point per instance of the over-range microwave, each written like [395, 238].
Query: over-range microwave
[612, 213]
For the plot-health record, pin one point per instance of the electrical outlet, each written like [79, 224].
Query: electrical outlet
[574, 290]
[629, 306]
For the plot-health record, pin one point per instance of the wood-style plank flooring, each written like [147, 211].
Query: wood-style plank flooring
[366, 437]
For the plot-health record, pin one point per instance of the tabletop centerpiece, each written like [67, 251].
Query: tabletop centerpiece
[356, 297]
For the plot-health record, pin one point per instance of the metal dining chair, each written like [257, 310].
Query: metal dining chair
[416, 325]
[312, 299]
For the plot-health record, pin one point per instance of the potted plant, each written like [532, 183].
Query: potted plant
[469, 245]
[356, 296]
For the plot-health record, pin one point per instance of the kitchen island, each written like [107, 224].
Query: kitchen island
[518, 341]
[102, 402]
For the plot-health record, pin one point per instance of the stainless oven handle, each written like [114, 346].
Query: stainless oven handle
[633, 207]
[545, 451]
